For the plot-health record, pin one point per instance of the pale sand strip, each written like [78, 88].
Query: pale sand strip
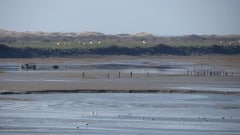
[164, 84]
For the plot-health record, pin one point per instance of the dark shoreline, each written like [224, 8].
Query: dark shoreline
[161, 49]
[122, 91]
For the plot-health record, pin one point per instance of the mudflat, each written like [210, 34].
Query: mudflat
[122, 73]
[119, 113]
[193, 95]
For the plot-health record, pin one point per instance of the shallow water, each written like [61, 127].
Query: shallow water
[106, 113]
[125, 66]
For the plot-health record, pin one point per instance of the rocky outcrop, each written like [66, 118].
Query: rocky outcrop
[28, 66]
[55, 67]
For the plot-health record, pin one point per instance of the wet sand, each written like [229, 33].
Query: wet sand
[119, 113]
[102, 73]
[169, 101]
[74, 81]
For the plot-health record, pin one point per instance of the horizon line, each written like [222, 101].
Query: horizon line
[133, 34]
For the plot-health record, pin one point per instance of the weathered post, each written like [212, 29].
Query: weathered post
[83, 74]
[27, 66]
[119, 74]
[131, 74]
[34, 67]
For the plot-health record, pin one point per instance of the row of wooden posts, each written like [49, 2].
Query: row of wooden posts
[189, 73]
[209, 73]
[119, 74]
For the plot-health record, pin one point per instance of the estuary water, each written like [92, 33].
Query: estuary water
[119, 113]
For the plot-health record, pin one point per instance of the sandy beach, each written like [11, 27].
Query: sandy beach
[37, 81]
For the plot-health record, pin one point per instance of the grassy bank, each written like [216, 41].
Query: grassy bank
[161, 49]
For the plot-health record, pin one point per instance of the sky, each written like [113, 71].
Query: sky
[159, 17]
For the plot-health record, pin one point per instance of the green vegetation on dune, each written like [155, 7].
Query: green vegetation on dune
[188, 43]
[84, 45]
[80, 45]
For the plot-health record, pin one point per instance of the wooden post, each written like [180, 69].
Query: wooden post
[131, 74]
[83, 74]
[210, 73]
[119, 74]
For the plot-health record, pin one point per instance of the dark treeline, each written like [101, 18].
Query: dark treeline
[8, 52]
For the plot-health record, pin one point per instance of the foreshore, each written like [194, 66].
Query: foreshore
[112, 95]
[167, 74]
[122, 91]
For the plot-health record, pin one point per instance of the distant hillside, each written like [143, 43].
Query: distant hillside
[60, 44]
[89, 39]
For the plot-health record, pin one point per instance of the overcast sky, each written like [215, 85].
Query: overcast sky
[159, 17]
